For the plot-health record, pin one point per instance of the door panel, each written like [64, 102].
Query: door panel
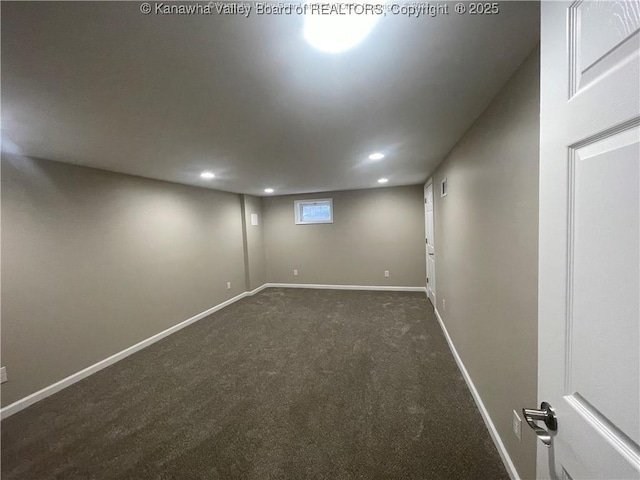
[605, 238]
[589, 259]
[602, 35]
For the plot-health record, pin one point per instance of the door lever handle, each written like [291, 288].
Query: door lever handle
[546, 414]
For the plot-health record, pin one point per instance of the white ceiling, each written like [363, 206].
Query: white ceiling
[166, 97]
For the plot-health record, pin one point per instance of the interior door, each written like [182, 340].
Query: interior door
[589, 257]
[430, 242]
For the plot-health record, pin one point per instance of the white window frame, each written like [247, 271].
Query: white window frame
[297, 210]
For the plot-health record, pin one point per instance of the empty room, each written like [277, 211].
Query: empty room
[320, 240]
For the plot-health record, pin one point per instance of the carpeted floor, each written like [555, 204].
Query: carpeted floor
[287, 384]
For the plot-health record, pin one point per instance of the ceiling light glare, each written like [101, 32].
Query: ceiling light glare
[334, 27]
[376, 156]
[268, 190]
[207, 175]
[383, 180]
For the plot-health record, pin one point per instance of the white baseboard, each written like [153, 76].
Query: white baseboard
[348, 287]
[76, 377]
[506, 459]
[96, 367]
[253, 292]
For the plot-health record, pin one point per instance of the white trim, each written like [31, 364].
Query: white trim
[506, 459]
[256, 290]
[347, 287]
[96, 367]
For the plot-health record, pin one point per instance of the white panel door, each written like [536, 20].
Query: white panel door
[589, 258]
[430, 242]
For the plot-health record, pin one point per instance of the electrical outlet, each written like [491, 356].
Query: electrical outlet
[295, 273]
[3, 374]
[386, 273]
[228, 285]
[444, 305]
[517, 426]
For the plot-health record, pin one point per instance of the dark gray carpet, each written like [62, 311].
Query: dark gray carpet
[288, 384]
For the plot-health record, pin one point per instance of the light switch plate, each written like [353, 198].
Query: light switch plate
[517, 426]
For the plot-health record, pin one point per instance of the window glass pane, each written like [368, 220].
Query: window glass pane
[315, 213]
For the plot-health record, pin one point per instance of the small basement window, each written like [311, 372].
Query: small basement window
[313, 211]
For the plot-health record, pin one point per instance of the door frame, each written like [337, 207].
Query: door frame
[430, 282]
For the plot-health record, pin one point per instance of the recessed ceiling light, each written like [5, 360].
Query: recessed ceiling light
[268, 190]
[383, 180]
[376, 156]
[337, 33]
[207, 175]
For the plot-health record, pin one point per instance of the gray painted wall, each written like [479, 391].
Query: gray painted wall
[487, 254]
[374, 230]
[94, 262]
[253, 243]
